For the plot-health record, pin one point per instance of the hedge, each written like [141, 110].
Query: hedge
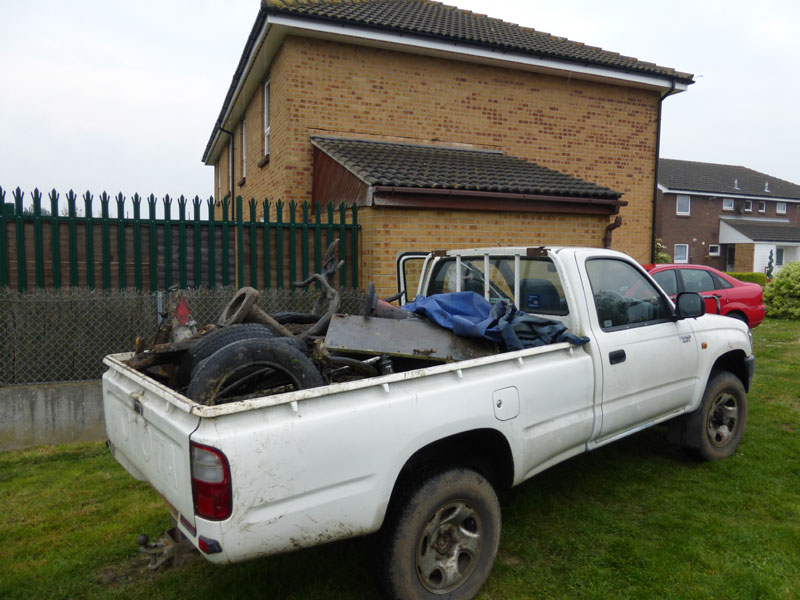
[759, 278]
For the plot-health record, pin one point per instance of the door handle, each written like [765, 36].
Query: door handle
[616, 357]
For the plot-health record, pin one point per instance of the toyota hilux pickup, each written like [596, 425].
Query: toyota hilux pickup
[420, 454]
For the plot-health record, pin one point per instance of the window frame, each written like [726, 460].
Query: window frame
[726, 202]
[675, 254]
[748, 206]
[779, 210]
[678, 211]
[779, 257]
[712, 252]
[762, 206]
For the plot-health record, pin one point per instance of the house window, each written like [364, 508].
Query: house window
[681, 254]
[727, 204]
[780, 208]
[779, 257]
[762, 206]
[713, 249]
[683, 205]
[244, 150]
[266, 118]
[748, 206]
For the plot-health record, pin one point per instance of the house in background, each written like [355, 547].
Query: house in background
[727, 217]
[447, 128]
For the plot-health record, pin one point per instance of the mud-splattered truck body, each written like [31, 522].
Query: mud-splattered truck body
[282, 472]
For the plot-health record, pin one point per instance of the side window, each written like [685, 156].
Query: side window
[720, 283]
[667, 281]
[623, 297]
[697, 280]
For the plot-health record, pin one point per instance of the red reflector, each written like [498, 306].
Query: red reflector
[208, 546]
[189, 527]
[211, 483]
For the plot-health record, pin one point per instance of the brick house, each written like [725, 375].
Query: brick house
[575, 128]
[727, 217]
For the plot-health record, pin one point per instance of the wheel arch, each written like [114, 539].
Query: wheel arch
[733, 362]
[487, 451]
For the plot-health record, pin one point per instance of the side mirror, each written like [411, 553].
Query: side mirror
[689, 305]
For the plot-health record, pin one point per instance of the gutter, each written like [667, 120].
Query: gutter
[655, 186]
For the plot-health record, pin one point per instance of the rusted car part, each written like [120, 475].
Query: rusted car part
[330, 266]
[376, 307]
[243, 308]
[408, 338]
[173, 549]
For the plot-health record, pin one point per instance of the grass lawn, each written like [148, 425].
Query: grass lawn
[636, 519]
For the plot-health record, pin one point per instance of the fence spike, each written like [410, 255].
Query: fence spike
[87, 202]
[151, 203]
[18, 196]
[36, 196]
[53, 195]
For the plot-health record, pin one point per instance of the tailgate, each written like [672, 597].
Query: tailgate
[148, 426]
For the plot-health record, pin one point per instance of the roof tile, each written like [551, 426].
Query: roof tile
[434, 19]
[420, 166]
[685, 175]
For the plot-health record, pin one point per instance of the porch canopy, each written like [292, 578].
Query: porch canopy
[380, 173]
[735, 231]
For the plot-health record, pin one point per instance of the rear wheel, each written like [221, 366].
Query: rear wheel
[715, 429]
[442, 540]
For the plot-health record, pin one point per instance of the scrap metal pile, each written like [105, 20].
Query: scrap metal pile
[249, 353]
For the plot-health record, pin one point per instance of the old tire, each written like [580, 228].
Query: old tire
[442, 537]
[217, 339]
[252, 366]
[714, 430]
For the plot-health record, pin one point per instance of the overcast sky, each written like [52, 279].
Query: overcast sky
[122, 96]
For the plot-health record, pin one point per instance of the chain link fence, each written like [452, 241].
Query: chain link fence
[48, 337]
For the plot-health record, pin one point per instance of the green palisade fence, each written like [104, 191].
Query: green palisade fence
[56, 246]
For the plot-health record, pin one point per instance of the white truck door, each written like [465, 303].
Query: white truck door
[410, 266]
[648, 361]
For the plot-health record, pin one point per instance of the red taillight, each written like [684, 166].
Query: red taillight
[211, 483]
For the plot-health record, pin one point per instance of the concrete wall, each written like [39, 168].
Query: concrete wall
[34, 415]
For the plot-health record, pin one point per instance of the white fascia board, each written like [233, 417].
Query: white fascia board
[423, 45]
[667, 190]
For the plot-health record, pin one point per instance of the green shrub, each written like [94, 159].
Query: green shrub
[661, 256]
[782, 295]
[758, 278]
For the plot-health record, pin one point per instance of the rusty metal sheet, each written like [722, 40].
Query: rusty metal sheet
[409, 338]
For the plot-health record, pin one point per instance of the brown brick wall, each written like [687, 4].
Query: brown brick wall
[698, 230]
[598, 132]
[743, 262]
[389, 231]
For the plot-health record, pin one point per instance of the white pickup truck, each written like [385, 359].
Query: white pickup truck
[419, 454]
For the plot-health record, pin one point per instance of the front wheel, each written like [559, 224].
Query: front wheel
[715, 429]
[442, 540]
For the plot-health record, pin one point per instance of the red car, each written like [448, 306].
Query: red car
[724, 294]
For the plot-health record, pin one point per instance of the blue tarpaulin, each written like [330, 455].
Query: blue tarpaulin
[470, 315]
